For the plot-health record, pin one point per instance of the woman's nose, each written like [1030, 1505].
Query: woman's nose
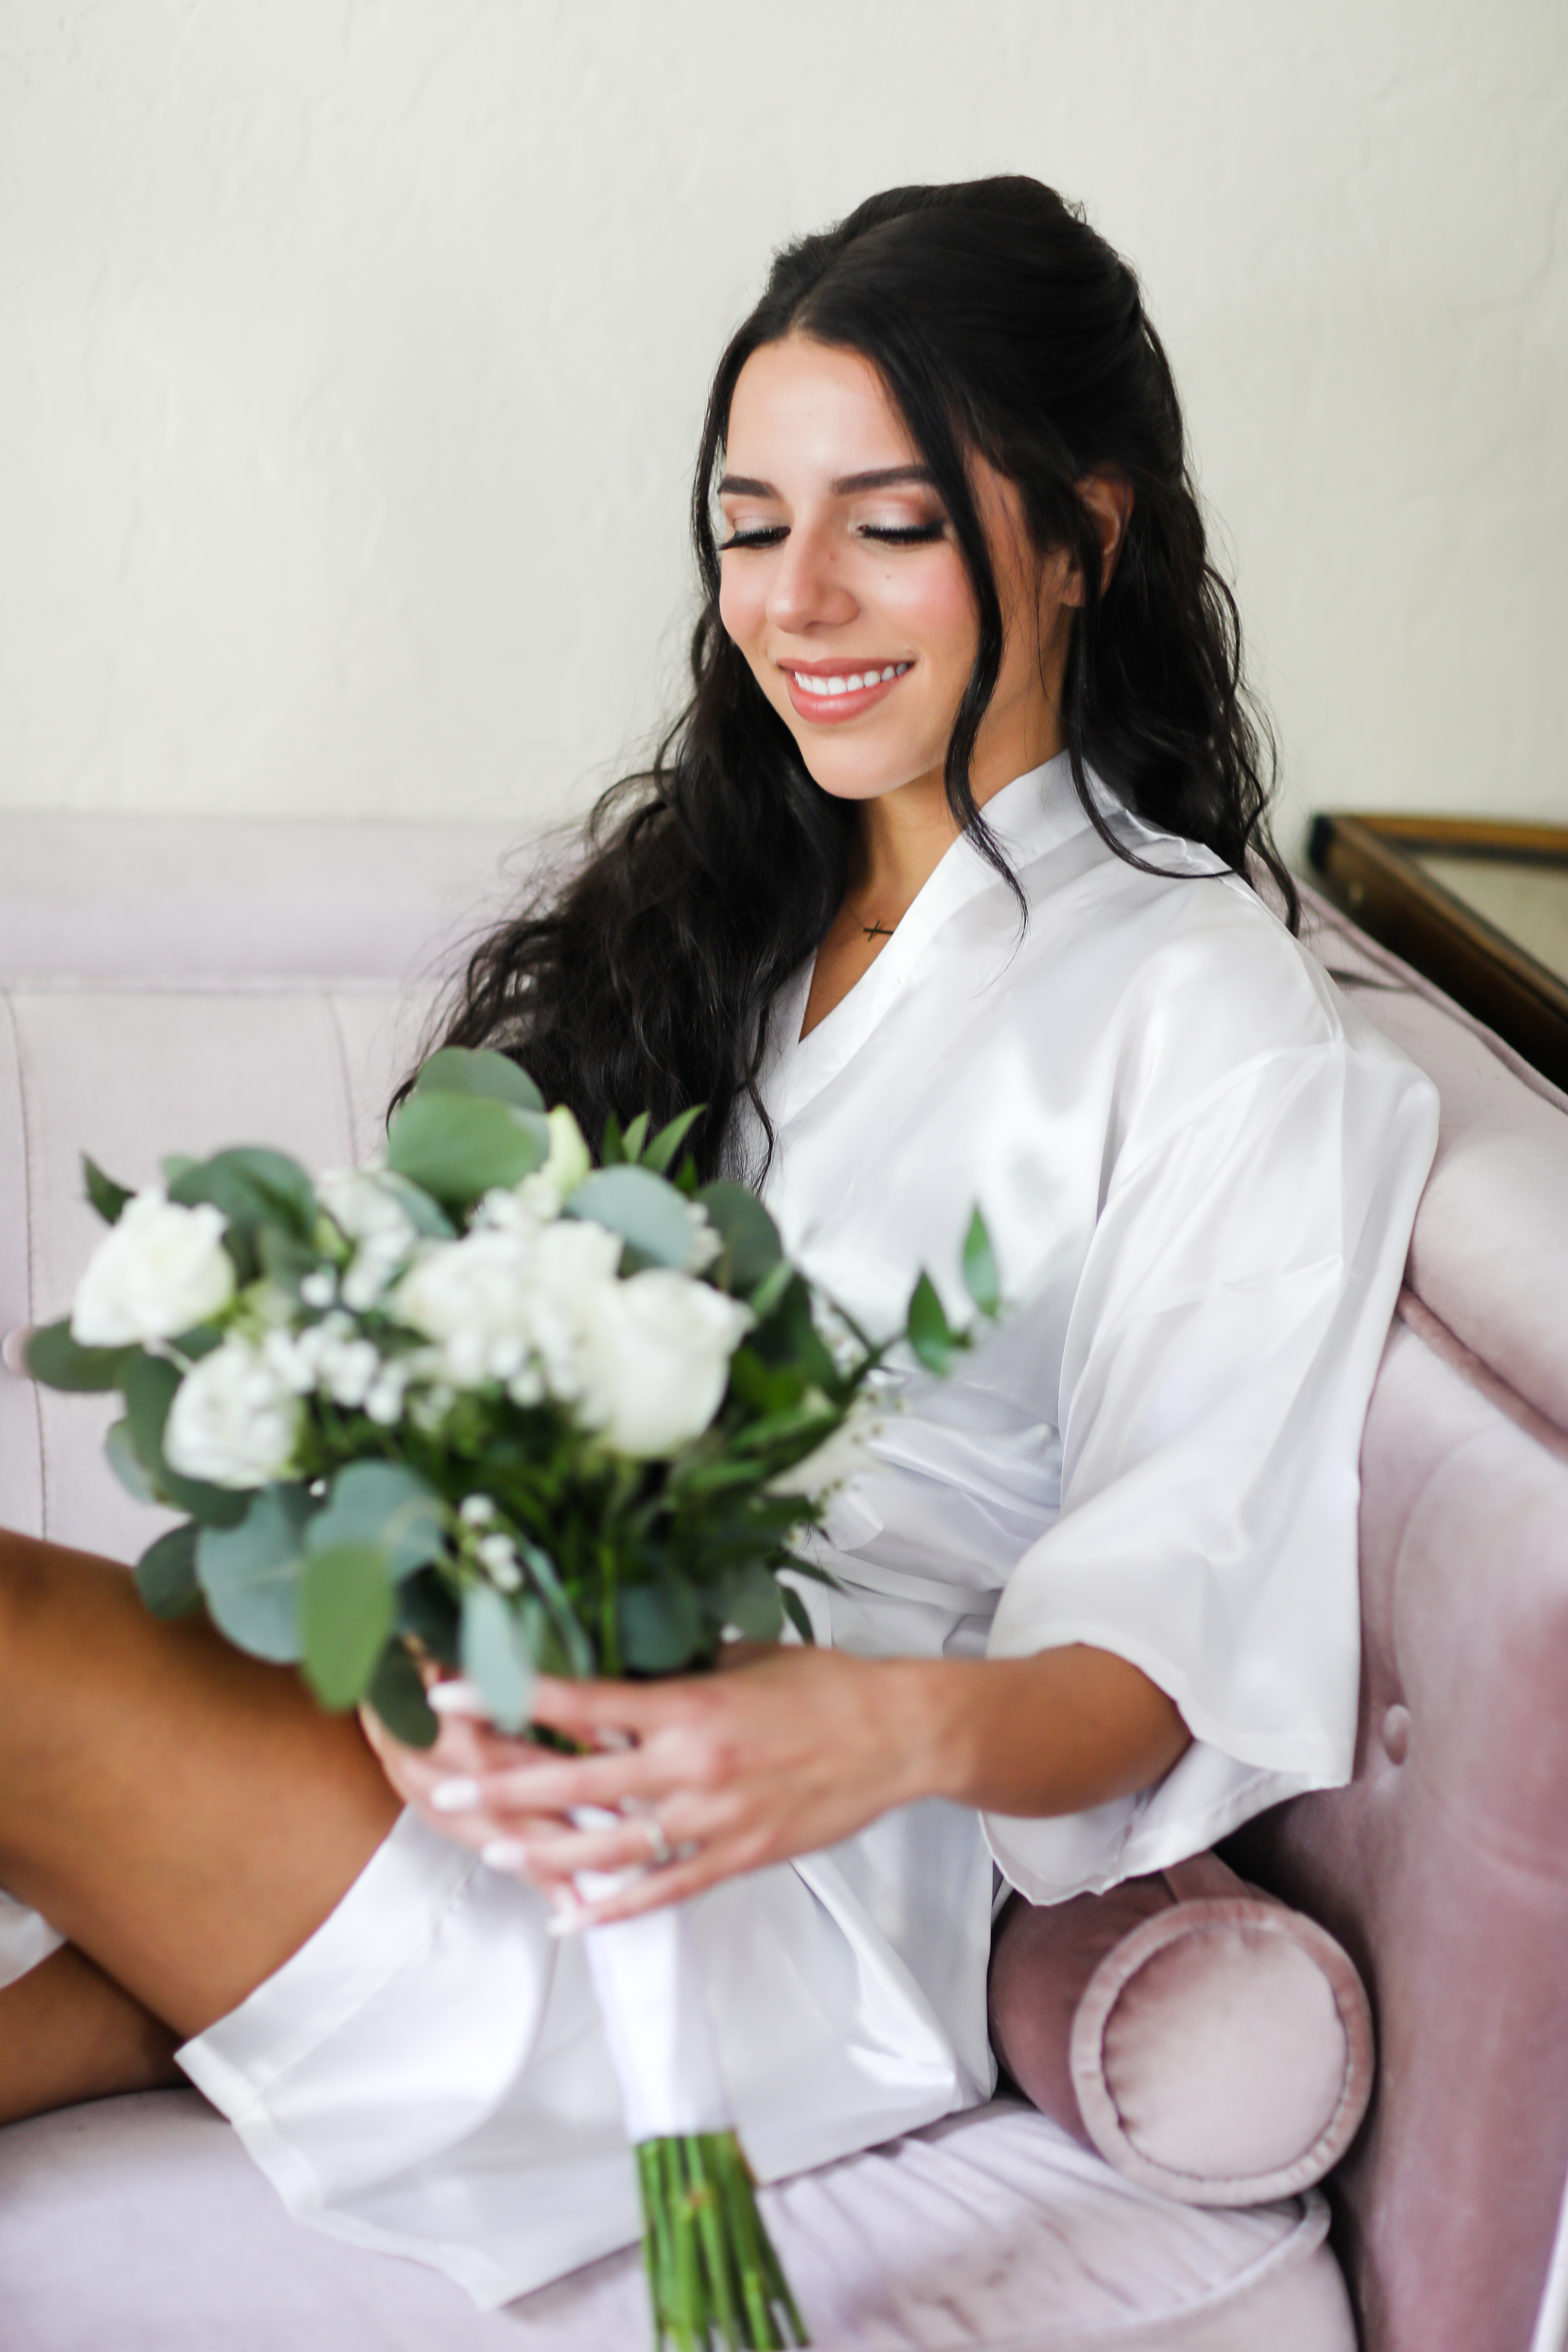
[805, 590]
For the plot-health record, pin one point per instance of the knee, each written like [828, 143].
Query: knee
[30, 1590]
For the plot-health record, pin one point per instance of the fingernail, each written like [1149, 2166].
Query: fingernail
[504, 1853]
[455, 1796]
[457, 1696]
[568, 1917]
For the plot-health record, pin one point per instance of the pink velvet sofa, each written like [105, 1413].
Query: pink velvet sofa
[170, 984]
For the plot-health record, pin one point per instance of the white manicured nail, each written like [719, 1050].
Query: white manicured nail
[457, 1696]
[455, 1796]
[567, 1917]
[504, 1853]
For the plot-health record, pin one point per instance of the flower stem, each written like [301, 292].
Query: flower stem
[714, 2280]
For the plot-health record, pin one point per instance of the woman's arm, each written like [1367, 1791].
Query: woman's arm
[791, 1750]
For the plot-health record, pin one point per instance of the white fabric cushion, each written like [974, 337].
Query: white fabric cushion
[141, 2224]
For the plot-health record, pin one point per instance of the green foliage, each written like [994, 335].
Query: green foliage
[661, 1152]
[458, 1147]
[495, 1656]
[251, 1573]
[636, 1137]
[126, 1462]
[751, 1602]
[398, 1695]
[345, 1613]
[166, 1573]
[54, 1358]
[659, 1626]
[644, 1209]
[106, 1197]
[463, 1070]
[980, 1277]
[751, 1238]
[253, 1186]
[931, 1335]
[388, 1505]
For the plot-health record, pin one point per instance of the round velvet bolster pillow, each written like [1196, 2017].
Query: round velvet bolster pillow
[1210, 2041]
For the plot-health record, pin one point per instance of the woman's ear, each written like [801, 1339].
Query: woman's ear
[1107, 500]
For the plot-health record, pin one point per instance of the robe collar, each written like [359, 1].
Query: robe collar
[1029, 817]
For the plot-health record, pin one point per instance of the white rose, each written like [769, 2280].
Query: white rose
[657, 1360]
[159, 1271]
[235, 1421]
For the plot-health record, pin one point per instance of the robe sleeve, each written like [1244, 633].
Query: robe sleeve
[1220, 1353]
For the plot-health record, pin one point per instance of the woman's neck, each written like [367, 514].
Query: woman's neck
[904, 836]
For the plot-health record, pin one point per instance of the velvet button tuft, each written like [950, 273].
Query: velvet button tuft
[1396, 1734]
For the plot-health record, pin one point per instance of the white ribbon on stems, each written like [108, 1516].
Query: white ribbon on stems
[648, 1976]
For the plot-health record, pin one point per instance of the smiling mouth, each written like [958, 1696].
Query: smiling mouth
[841, 691]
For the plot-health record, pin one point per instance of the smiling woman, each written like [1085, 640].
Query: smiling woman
[941, 892]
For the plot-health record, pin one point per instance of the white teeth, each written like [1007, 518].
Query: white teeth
[852, 682]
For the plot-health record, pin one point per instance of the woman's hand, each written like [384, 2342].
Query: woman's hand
[787, 1751]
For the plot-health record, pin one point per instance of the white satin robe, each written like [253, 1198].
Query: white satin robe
[1199, 1169]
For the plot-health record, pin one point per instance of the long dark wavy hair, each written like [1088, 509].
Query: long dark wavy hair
[1001, 325]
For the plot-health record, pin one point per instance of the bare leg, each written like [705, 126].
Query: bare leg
[69, 2032]
[185, 1815]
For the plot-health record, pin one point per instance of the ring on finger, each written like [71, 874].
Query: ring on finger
[660, 1851]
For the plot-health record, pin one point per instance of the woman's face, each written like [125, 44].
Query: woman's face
[844, 587]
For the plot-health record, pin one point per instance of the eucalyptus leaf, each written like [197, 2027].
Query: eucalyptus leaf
[149, 1386]
[660, 1626]
[458, 1147]
[54, 1358]
[980, 1276]
[752, 1603]
[346, 1610]
[644, 1210]
[251, 1573]
[495, 1656]
[751, 1238]
[398, 1695]
[284, 1258]
[467, 1070]
[106, 1197]
[127, 1463]
[253, 1185]
[166, 1572]
[425, 1213]
[387, 1505]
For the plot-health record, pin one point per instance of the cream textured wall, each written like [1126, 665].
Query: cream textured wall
[352, 353]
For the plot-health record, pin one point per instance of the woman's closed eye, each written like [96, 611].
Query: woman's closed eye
[886, 534]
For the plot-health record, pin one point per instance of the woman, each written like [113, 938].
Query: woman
[942, 892]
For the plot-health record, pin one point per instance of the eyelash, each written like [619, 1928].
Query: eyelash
[914, 534]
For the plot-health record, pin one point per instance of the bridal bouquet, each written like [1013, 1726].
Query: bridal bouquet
[485, 1407]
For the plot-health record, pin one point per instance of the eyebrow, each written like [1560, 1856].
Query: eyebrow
[879, 478]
